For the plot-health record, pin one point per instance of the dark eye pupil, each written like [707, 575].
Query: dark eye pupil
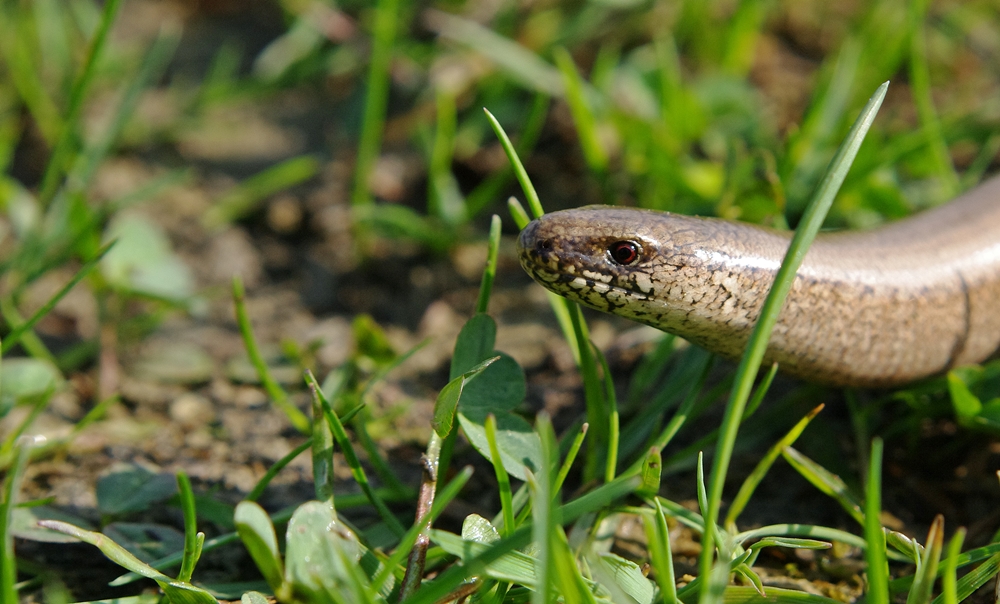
[624, 252]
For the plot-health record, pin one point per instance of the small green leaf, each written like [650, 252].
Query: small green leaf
[518, 443]
[478, 529]
[501, 387]
[254, 597]
[474, 344]
[132, 489]
[967, 405]
[448, 399]
[27, 378]
[142, 260]
[321, 553]
[257, 532]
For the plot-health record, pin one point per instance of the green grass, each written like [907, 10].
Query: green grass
[675, 106]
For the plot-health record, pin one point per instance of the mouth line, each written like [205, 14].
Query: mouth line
[561, 277]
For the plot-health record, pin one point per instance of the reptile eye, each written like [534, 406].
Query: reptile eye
[624, 252]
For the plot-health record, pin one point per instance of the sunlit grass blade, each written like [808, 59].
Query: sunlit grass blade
[692, 520]
[611, 402]
[660, 554]
[444, 496]
[878, 569]
[651, 472]
[799, 530]
[261, 541]
[376, 97]
[574, 449]
[545, 521]
[322, 455]
[487, 192]
[593, 393]
[503, 480]
[827, 482]
[530, 194]
[763, 466]
[812, 220]
[340, 435]
[949, 588]
[277, 394]
[974, 579]
[490, 271]
[193, 540]
[927, 565]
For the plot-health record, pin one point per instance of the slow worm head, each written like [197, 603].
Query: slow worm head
[875, 308]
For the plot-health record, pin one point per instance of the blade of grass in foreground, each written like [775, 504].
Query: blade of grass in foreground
[875, 555]
[754, 355]
[571, 321]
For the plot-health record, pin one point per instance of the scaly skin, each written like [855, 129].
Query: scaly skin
[878, 308]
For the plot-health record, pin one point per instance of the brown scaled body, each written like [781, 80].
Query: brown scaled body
[875, 308]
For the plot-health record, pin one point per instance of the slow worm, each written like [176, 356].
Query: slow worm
[879, 308]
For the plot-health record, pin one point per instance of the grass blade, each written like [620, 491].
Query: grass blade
[340, 435]
[750, 363]
[376, 98]
[583, 115]
[19, 330]
[758, 473]
[878, 568]
[275, 391]
[503, 480]
[489, 273]
[63, 149]
[949, 590]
